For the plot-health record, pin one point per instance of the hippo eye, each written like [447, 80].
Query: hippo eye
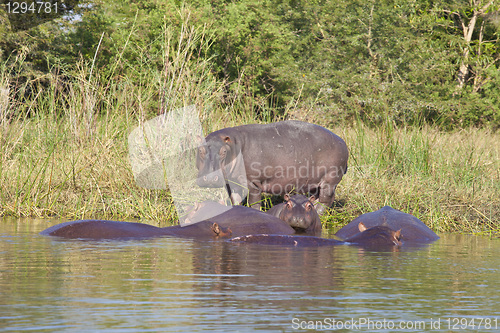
[308, 206]
[289, 205]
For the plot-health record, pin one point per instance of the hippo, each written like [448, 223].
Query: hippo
[202, 211]
[375, 238]
[273, 158]
[299, 212]
[412, 230]
[103, 229]
[237, 221]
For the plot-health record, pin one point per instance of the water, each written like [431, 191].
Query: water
[175, 285]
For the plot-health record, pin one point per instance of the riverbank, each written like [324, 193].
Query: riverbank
[55, 166]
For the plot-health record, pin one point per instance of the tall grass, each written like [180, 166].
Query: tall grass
[449, 180]
[64, 150]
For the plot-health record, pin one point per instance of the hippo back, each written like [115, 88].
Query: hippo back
[286, 240]
[246, 221]
[237, 221]
[376, 238]
[102, 229]
[412, 229]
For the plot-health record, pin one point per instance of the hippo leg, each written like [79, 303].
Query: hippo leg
[327, 188]
[325, 198]
[254, 195]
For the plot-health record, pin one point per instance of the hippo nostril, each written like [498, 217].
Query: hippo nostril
[216, 178]
[205, 178]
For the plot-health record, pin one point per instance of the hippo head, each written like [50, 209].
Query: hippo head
[300, 214]
[209, 159]
[378, 236]
[215, 160]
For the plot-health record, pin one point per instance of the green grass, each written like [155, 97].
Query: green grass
[449, 180]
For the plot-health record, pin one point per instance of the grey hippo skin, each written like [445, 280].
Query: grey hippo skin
[412, 229]
[299, 212]
[287, 240]
[237, 221]
[277, 158]
[376, 238]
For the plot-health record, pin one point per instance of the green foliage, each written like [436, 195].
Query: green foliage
[336, 62]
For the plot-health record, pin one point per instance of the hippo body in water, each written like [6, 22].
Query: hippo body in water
[287, 240]
[299, 212]
[237, 221]
[376, 238]
[412, 229]
[275, 158]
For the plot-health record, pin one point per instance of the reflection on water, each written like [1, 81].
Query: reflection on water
[170, 284]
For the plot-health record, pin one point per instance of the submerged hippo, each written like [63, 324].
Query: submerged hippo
[412, 230]
[237, 221]
[274, 158]
[288, 240]
[299, 212]
[375, 238]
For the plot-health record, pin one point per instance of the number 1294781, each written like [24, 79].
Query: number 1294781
[40, 7]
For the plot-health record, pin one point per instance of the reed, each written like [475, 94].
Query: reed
[449, 180]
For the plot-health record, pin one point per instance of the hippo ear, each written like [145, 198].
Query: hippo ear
[313, 199]
[225, 138]
[286, 197]
[216, 229]
[397, 234]
[362, 227]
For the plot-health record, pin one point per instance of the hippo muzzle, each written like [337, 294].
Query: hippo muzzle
[297, 222]
[212, 179]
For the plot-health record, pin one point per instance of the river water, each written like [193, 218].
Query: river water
[179, 285]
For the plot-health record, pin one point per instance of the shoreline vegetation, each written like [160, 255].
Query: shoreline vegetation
[56, 166]
[64, 144]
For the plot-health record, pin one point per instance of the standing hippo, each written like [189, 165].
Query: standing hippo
[274, 158]
[299, 212]
[237, 221]
[411, 228]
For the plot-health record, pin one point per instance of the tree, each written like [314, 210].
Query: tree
[468, 18]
